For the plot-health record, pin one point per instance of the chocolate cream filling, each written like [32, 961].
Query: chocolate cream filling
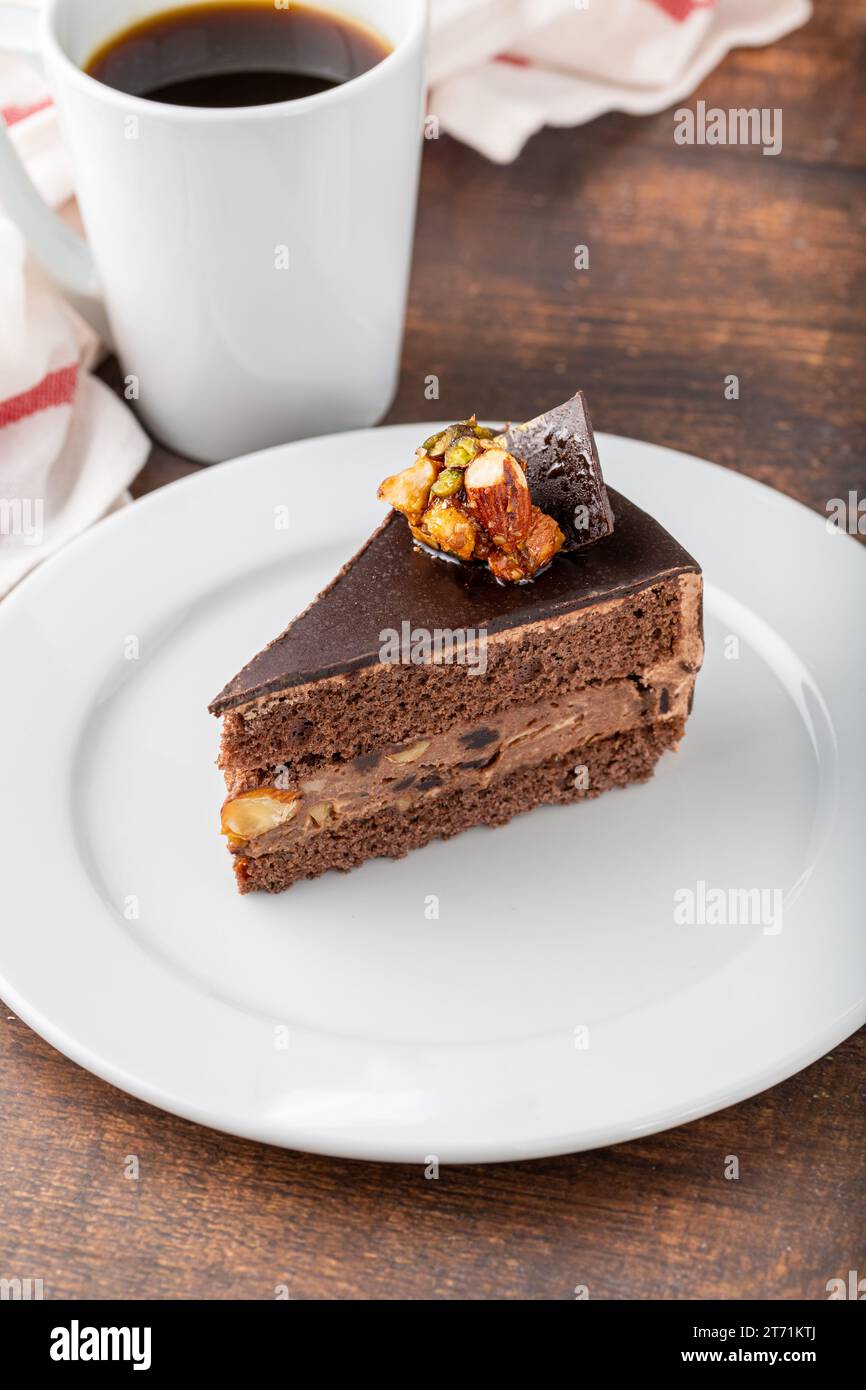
[466, 756]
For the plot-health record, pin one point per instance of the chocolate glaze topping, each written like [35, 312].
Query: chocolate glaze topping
[389, 581]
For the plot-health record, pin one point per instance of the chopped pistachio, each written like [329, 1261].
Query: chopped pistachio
[430, 446]
[450, 480]
[462, 452]
[437, 444]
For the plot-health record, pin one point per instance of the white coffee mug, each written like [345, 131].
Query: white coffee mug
[253, 262]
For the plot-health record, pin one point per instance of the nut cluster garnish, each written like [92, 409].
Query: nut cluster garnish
[467, 496]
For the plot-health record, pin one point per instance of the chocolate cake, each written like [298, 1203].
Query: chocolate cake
[422, 693]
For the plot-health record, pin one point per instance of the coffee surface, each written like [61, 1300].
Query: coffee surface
[244, 54]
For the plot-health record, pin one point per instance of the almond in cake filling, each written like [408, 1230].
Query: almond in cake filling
[259, 817]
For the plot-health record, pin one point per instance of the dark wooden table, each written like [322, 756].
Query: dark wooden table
[703, 262]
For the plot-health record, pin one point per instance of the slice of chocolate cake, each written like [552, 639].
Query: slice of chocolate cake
[420, 694]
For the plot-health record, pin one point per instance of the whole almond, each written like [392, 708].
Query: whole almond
[498, 493]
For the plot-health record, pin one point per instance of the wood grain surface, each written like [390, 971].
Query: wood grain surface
[704, 262]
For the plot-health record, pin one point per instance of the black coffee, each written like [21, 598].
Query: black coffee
[243, 54]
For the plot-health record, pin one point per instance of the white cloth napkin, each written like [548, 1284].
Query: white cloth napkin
[502, 69]
[69, 447]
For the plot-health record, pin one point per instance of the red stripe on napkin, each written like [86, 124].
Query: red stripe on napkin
[12, 114]
[681, 9]
[57, 388]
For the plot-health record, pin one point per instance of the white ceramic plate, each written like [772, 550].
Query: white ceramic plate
[555, 1004]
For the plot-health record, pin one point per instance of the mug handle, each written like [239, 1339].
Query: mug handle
[63, 255]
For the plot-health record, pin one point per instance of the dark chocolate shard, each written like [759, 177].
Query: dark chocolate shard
[563, 471]
[390, 581]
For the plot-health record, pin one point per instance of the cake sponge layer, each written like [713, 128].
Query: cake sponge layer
[349, 714]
